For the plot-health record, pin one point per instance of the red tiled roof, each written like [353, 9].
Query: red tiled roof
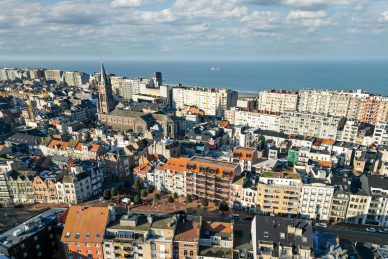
[85, 224]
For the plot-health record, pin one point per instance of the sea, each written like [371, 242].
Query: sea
[243, 76]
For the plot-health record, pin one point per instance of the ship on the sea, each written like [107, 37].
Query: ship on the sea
[215, 69]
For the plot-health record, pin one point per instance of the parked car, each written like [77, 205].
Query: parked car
[370, 229]
[383, 230]
[321, 225]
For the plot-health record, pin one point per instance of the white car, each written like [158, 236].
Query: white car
[383, 230]
[321, 225]
[370, 229]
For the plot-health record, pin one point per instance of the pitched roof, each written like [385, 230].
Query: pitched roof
[85, 224]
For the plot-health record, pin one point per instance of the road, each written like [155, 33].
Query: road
[356, 233]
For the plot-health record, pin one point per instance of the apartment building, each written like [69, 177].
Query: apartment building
[341, 198]
[75, 78]
[276, 237]
[278, 101]
[331, 102]
[140, 235]
[21, 186]
[84, 230]
[309, 124]
[246, 157]
[376, 186]
[373, 109]
[380, 135]
[5, 170]
[257, 119]
[36, 237]
[279, 192]
[209, 178]
[171, 176]
[187, 235]
[53, 75]
[243, 192]
[212, 101]
[316, 199]
[216, 239]
[358, 207]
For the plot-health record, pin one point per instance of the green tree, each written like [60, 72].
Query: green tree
[144, 193]
[113, 192]
[157, 196]
[341, 123]
[137, 199]
[150, 189]
[189, 198]
[106, 194]
[136, 186]
[205, 202]
[223, 206]
[175, 195]
[170, 199]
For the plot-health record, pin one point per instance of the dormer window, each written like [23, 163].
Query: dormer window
[282, 235]
[266, 234]
[77, 235]
[67, 234]
[87, 234]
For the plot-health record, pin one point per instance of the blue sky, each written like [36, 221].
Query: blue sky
[193, 29]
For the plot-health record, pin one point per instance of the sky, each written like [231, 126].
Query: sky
[194, 29]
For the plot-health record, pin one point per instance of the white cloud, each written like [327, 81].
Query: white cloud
[311, 19]
[302, 15]
[262, 20]
[127, 3]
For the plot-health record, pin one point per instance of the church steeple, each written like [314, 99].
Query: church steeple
[106, 102]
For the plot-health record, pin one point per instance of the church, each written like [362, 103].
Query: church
[151, 125]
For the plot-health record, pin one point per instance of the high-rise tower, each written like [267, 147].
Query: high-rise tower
[106, 102]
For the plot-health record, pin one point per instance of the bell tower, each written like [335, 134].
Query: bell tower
[106, 101]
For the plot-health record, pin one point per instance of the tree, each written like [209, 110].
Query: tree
[106, 194]
[189, 198]
[113, 192]
[144, 193]
[341, 123]
[157, 197]
[150, 189]
[170, 199]
[175, 195]
[137, 186]
[205, 202]
[137, 199]
[223, 206]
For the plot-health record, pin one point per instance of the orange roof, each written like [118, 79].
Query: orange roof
[94, 148]
[58, 143]
[325, 163]
[328, 141]
[79, 146]
[85, 224]
[211, 166]
[212, 226]
[244, 153]
[176, 164]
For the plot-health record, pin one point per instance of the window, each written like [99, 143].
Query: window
[98, 245]
[77, 235]
[191, 253]
[185, 252]
[87, 234]
[67, 234]
[98, 252]
[282, 235]
[88, 252]
[266, 234]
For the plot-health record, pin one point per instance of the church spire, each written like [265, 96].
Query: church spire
[103, 74]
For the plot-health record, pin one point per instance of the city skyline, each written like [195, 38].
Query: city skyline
[187, 30]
